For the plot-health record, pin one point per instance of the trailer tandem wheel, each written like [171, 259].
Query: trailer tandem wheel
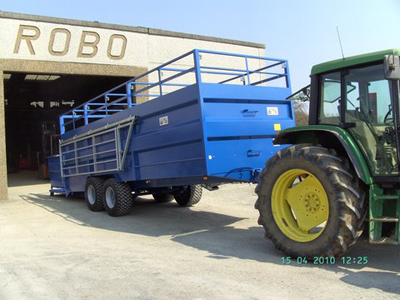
[118, 198]
[190, 196]
[94, 193]
[162, 198]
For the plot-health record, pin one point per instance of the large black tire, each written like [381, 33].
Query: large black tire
[94, 193]
[162, 198]
[190, 196]
[346, 197]
[118, 198]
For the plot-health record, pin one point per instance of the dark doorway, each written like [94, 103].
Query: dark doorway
[33, 103]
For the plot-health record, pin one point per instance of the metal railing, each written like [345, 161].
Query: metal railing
[74, 163]
[190, 68]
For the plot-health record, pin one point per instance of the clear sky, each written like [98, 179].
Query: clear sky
[303, 31]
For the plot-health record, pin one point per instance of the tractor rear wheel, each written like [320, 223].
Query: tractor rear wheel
[310, 202]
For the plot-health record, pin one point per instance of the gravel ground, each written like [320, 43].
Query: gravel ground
[55, 248]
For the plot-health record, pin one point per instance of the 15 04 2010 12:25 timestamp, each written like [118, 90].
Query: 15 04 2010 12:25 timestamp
[319, 260]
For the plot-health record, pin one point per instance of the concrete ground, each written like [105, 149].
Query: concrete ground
[55, 248]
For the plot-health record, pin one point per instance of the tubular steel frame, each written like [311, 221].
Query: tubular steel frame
[85, 112]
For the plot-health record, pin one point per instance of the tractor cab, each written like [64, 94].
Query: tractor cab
[361, 100]
[361, 94]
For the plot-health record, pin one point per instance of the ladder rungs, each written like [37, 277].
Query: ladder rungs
[387, 197]
[385, 240]
[384, 219]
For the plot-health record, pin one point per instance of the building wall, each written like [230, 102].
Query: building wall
[36, 44]
[50, 39]
[3, 158]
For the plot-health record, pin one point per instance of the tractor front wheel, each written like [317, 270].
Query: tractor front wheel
[310, 202]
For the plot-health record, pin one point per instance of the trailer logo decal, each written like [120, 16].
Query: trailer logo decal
[272, 111]
[164, 121]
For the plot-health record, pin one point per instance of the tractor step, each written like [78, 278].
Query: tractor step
[384, 215]
[387, 197]
[386, 240]
[385, 219]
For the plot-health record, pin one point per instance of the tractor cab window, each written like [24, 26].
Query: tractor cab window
[368, 107]
[329, 110]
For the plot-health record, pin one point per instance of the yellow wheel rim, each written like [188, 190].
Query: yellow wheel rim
[300, 206]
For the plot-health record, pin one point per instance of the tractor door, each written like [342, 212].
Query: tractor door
[369, 107]
[366, 112]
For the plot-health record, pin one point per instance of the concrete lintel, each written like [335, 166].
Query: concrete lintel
[46, 67]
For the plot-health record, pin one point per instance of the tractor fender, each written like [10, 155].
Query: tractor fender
[330, 137]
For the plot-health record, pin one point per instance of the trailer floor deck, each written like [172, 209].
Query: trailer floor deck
[55, 248]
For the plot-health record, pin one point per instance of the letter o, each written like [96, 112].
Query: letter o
[66, 44]
[123, 47]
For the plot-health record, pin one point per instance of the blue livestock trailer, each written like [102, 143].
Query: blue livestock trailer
[211, 120]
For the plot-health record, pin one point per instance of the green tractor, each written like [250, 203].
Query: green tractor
[342, 170]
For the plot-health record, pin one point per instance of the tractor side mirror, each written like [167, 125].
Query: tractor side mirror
[391, 66]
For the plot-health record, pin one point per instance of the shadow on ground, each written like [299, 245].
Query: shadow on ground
[382, 258]
[217, 234]
[203, 230]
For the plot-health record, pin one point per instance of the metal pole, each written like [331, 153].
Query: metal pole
[159, 81]
[247, 71]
